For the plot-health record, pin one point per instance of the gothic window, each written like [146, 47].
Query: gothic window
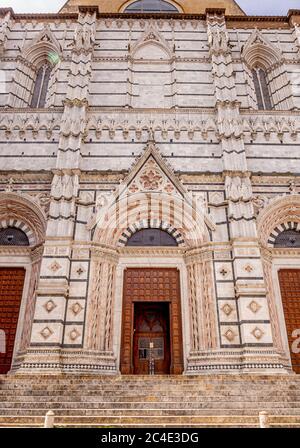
[151, 237]
[39, 95]
[261, 89]
[12, 236]
[288, 238]
[151, 6]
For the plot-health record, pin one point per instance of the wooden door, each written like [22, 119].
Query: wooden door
[153, 286]
[11, 290]
[289, 280]
[151, 346]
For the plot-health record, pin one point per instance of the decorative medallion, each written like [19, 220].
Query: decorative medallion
[230, 335]
[151, 179]
[257, 333]
[227, 309]
[74, 334]
[254, 306]
[248, 268]
[76, 308]
[46, 332]
[223, 271]
[80, 270]
[55, 266]
[49, 306]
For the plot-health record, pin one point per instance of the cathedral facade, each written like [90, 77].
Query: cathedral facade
[149, 189]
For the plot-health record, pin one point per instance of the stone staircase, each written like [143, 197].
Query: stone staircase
[145, 401]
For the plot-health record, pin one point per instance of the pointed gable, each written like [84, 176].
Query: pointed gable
[152, 174]
[151, 45]
[259, 50]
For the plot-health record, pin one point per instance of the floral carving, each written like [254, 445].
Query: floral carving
[151, 179]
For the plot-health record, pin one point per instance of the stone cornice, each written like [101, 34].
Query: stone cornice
[166, 16]
[151, 251]
[104, 253]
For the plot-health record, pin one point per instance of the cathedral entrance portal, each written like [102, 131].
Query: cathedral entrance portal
[151, 338]
[151, 327]
[11, 290]
[289, 280]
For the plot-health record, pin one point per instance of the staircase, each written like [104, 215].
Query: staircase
[145, 401]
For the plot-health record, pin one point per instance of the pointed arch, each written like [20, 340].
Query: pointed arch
[36, 72]
[151, 71]
[266, 73]
[20, 212]
[151, 197]
[151, 37]
[280, 215]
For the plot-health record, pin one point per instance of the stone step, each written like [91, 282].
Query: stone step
[161, 421]
[36, 412]
[295, 406]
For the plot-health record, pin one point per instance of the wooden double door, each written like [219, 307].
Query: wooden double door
[151, 338]
[11, 290]
[289, 280]
[151, 326]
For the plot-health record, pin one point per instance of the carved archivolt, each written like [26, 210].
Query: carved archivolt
[260, 51]
[142, 210]
[153, 224]
[280, 211]
[18, 210]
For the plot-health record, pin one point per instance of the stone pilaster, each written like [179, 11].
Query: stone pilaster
[58, 326]
[201, 305]
[100, 305]
[5, 24]
[253, 316]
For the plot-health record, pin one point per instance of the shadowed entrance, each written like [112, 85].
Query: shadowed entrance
[151, 328]
[151, 340]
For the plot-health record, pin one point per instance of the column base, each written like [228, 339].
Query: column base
[58, 361]
[237, 361]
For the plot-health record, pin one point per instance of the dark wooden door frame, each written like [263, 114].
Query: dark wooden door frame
[289, 281]
[138, 288]
[162, 365]
[12, 281]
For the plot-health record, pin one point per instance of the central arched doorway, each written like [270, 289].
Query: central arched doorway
[151, 323]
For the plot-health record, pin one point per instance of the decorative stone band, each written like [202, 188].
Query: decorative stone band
[153, 224]
[17, 224]
[281, 228]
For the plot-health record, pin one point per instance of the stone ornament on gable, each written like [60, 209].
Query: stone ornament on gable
[259, 48]
[22, 208]
[238, 189]
[153, 35]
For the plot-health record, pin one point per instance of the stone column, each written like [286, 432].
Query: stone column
[100, 303]
[254, 327]
[58, 326]
[5, 24]
[202, 306]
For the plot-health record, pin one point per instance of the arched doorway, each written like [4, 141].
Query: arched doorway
[11, 291]
[151, 326]
[22, 230]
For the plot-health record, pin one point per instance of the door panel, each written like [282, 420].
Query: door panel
[289, 280]
[11, 290]
[151, 347]
[155, 286]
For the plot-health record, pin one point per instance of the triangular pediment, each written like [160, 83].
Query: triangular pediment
[153, 37]
[151, 173]
[259, 50]
[45, 38]
[150, 176]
